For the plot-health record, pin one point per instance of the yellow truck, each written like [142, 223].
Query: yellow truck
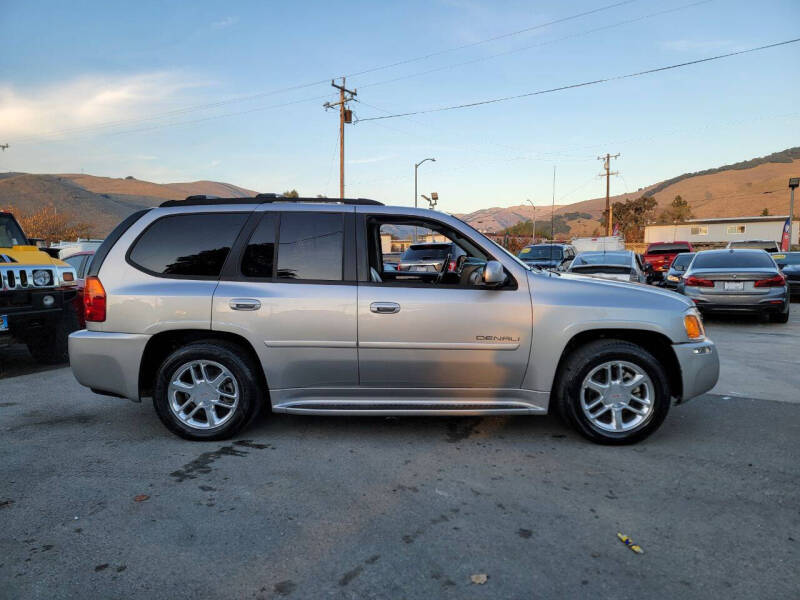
[38, 296]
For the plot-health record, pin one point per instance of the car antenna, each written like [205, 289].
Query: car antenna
[553, 216]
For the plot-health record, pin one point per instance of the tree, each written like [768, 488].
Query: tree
[632, 216]
[292, 194]
[49, 224]
[765, 212]
[677, 212]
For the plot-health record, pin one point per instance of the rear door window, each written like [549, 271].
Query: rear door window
[311, 246]
[194, 246]
[259, 255]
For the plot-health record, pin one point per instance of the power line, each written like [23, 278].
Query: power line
[491, 39]
[582, 84]
[538, 45]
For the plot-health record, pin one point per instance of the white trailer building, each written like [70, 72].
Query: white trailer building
[722, 230]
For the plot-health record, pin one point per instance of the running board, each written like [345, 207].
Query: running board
[408, 401]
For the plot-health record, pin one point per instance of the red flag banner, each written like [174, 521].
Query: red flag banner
[786, 238]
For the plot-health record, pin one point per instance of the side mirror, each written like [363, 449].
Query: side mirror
[493, 273]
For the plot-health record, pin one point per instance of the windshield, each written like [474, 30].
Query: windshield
[427, 252]
[602, 258]
[682, 261]
[667, 249]
[541, 253]
[733, 260]
[792, 258]
[10, 232]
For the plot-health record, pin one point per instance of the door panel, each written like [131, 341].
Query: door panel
[304, 333]
[443, 336]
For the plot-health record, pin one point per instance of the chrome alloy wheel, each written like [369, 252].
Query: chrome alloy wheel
[617, 396]
[203, 394]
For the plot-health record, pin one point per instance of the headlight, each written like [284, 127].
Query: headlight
[693, 324]
[673, 278]
[42, 278]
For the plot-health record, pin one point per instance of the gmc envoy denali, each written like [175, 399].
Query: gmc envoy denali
[216, 308]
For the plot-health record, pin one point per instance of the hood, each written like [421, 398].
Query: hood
[28, 256]
[621, 292]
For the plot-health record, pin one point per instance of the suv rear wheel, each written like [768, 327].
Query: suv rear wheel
[613, 392]
[207, 390]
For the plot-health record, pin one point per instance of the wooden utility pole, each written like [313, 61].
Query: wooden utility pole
[345, 116]
[609, 211]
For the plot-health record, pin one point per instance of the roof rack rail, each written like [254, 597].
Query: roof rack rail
[270, 198]
[199, 200]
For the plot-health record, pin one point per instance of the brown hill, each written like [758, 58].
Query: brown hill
[101, 201]
[738, 190]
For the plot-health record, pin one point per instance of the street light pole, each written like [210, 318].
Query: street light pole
[533, 229]
[416, 166]
[793, 183]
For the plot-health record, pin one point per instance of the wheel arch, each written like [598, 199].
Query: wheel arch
[658, 344]
[164, 343]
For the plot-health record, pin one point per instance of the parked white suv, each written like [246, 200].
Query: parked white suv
[217, 308]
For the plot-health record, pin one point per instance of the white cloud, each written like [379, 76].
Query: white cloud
[226, 22]
[90, 101]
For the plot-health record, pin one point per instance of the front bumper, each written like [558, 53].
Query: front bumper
[699, 363]
[28, 313]
[107, 362]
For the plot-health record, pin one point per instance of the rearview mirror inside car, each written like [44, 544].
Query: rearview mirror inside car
[493, 273]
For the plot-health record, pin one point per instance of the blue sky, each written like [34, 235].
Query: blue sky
[69, 69]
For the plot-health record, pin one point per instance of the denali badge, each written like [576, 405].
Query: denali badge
[496, 338]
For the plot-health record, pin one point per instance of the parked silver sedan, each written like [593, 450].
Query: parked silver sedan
[620, 265]
[737, 281]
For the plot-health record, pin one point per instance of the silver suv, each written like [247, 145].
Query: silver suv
[217, 308]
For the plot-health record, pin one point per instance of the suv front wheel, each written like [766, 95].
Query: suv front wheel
[207, 390]
[613, 392]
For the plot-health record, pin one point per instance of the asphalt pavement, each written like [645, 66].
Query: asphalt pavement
[98, 500]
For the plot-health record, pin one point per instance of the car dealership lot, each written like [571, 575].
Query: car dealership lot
[312, 507]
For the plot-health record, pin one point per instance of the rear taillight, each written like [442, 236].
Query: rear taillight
[697, 282]
[94, 300]
[777, 281]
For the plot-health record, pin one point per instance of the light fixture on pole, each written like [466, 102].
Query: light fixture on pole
[416, 166]
[533, 229]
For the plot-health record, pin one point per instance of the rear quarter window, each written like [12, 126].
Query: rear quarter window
[194, 246]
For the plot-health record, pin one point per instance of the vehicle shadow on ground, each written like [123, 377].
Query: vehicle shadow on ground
[15, 360]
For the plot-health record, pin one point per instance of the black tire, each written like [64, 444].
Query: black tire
[582, 361]
[51, 348]
[240, 365]
[782, 317]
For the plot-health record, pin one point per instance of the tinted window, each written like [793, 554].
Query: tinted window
[259, 256]
[682, 261]
[311, 246]
[76, 262]
[602, 258]
[10, 233]
[188, 245]
[667, 249]
[789, 258]
[733, 260]
[541, 253]
[427, 252]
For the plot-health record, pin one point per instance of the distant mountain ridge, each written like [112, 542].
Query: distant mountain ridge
[101, 201]
[740, 189]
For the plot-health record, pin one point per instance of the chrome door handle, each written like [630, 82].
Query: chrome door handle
[384, 308]
[244, 304]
